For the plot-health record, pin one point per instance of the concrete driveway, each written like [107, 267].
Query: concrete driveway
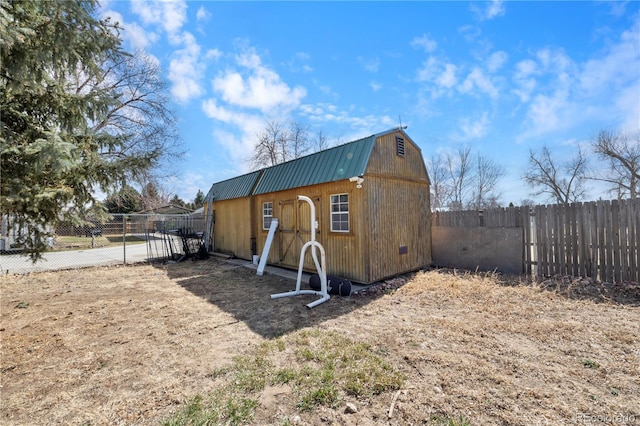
[19, 264]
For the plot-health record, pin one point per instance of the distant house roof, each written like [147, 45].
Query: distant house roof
[337, 163]
[168, 209]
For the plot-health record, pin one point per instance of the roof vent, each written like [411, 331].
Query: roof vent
[400, 146]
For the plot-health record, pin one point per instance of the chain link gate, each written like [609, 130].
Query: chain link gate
[124, 239]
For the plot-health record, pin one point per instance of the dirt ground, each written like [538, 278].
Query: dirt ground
[129, 345]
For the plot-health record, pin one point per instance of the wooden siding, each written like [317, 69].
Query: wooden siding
[232, 228]
[385, 161]
[399, 230]
[344, 251]
[389, 219]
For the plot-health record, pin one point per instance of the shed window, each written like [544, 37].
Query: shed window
[267, 215]
[400, 146]
[340, 213]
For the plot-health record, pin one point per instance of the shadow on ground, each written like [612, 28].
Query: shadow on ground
[246, 296]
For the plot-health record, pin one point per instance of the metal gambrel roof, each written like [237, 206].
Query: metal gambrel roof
[333, 164]
[236, 187]
[340, 162]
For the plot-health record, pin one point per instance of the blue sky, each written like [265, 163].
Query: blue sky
[504, 77]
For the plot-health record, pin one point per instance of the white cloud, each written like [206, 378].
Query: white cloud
[138, 37]
[618, 8]
[134, 34]
[565, 94]
[328, 113]
[428, 70]
[248, 93]
[257, 87]
[447, 78]
[525, 83]
[478, 80]
[554, 60]
[317, 109]
[170, 14]
[186, 70]
[438, 75]
[470, 32]
[213, 54]
[549, 70]
[203, 14]
[472, 129]
[627, 103]
[370, 65]
[425, 42]
[375, 86]
[493, 9]
[526, 68]
[496, 61]
[619, 66]
[550, 113]
[299, 62]
[186, 185]
[186, 66]
[249, 125]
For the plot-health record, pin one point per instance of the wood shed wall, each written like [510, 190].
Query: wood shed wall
[385, 161]
[345, 254]
[398, 203]
[399, 236]
[232, 227]
[389, 216]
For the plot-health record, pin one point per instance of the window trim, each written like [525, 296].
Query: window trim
[332, 213]
[265, 216]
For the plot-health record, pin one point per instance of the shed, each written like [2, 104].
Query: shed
[372, 208]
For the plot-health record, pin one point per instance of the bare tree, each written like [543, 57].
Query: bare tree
[298, 139]
[622, 153]
[138, 118]
[562, 182]
[278, 143]
[268, 150]
[320, 143]
[461, 180]
[484, 185]
[440, 188]
[459, 169]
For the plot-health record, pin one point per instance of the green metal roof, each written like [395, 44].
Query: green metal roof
[236, 187]
[337, 163]
[340, 162]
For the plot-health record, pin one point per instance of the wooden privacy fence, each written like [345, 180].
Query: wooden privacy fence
[594, 239]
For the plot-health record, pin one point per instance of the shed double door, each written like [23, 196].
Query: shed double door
[295, 230]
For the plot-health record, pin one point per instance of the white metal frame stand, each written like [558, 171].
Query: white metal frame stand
[321, 266]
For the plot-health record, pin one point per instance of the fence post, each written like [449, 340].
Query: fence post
[533, 242]
[124, 238]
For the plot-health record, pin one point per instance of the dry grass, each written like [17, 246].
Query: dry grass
[132, 345]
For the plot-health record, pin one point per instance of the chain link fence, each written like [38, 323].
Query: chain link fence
[126, 238]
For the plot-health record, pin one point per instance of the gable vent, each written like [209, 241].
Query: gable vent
[400, 146]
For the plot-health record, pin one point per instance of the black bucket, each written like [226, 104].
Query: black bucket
[335, 285]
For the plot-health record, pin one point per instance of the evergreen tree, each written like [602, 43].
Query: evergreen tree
[127, 200]
[199, 200]
[177, 201]
[57, 97]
